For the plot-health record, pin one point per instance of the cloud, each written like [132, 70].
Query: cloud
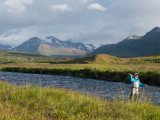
[96, 6]
[86, 1]
[18, 6]
[14, 37]
[61, 8]
[123, 18]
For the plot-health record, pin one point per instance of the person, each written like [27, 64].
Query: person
[134, 79]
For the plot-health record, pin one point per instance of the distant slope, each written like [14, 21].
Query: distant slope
[134, 46]
[105, 59]
[49, 50]
[4, 47]
[15, 57]
[52, 46]
[30, 45]
[94, 59]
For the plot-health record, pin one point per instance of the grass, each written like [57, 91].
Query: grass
[16, 57]
[99, 62]
[28, 102]
[103, 67]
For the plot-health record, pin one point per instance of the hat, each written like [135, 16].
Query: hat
[135, 73]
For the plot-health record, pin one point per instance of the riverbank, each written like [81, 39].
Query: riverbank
[51, 103]
[101, 67]
[150, 78]
[101, 88]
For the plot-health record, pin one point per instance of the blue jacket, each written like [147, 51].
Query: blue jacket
[133, 79]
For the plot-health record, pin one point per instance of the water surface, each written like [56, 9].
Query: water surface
[105, 89]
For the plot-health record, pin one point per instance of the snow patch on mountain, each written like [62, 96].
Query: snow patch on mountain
[48, 40]
[134, 37]
[90, 47]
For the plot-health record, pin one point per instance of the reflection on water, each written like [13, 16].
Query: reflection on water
[105, 89]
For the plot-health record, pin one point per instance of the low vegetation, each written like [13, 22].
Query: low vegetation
[16, 57]
[103, 67]
[31, 102]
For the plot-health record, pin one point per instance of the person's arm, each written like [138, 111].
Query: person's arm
[131, 78]
[140, 84]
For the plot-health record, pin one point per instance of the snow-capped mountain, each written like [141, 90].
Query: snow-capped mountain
[68, 44]
[53, 46]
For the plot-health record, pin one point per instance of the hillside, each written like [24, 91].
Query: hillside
[94, 59]
[108, 59]
[134, 46]
[17, 57]
[49, 50]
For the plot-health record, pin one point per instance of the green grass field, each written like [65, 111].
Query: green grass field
[99, 62]
[35, 103]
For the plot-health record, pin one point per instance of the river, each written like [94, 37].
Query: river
[104, 89]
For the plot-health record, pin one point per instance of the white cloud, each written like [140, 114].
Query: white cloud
[18, 6]
[15, 37]
[96, 6]
[86, 1]
[61, 8]
[123, 18]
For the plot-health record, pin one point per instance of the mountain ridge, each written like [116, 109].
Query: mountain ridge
[146, 45]
[51, 46]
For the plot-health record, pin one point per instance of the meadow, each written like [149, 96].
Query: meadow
[32, 102]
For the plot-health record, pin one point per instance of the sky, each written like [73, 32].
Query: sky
[88, 21]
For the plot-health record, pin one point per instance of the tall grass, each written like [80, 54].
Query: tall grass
[28, 102]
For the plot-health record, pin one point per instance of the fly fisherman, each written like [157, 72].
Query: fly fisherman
[134, 79]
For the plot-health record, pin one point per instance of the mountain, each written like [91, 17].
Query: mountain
[5, 47]
[69, 44]
[30, 45]
[52, 46]
[134, 46]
